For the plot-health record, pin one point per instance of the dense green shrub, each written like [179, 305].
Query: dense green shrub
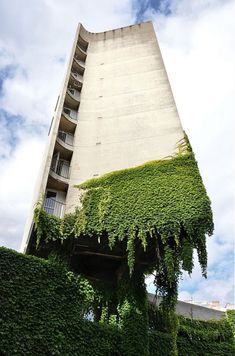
[41, 311]
[201, 330]
[42, 308]
[159, 209]
[159, 345]
[231, 320]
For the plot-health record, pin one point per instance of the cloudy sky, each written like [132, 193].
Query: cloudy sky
[197, 41]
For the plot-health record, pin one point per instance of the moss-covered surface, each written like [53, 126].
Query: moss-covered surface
[42, 309]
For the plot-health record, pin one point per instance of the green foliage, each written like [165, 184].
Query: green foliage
[165, 320]
[205, 338]
[231, 320]
[200, 330]
[159, 345]
[42, 308]
[160, 206]
[133, 315]
[195, 337]
[206, 348]
[48, 225]
[162, 202]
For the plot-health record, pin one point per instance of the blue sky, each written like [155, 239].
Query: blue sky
[140, 7]
[197, 44]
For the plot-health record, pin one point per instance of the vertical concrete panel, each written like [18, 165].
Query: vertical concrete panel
[127, 114]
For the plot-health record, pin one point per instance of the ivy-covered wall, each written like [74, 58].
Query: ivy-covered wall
[161, 204]
[159, 212]
[42, 308]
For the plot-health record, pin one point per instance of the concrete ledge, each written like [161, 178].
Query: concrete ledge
[191, 311]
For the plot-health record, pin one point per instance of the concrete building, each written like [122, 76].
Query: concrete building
[116, 110]
[192, 310]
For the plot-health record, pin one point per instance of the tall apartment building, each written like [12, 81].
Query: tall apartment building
[116, 110]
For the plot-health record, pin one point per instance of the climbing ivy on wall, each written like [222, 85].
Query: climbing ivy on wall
[165, 200]
[161, 203]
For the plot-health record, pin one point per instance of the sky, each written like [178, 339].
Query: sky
[197, 42]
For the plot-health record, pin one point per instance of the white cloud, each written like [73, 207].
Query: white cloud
[17, 180]
[210, 289]
[37, 37]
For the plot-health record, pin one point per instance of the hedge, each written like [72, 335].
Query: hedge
[43, 308]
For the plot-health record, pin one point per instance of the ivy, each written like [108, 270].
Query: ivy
[42, 309]
[46, 310]
[160, 206]
[133, 315]
[231, 321]
[165, 200]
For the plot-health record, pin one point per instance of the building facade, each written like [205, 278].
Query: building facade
[116, 110]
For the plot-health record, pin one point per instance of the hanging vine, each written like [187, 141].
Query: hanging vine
[161, 203]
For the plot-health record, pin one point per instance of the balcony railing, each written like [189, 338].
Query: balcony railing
[60, 167]
[81, 63]
[77, 76]
[74, 94]
[71, 114]
[66, 137]
[54, 207]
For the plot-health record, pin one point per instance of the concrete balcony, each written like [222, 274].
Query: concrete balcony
[68, 121]
[76, 80]
[66, 137]
[83, 44]
[60, 170]
[64, 142]
[72, 98]
[78, 65]
[77, 77]
[80, 53]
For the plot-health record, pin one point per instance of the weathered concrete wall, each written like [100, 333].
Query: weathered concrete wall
[192, 311]
[127, 114]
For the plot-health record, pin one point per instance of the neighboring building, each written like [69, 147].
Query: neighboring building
[229, 306]
[116, 110]
[214, 304]
[192, 310]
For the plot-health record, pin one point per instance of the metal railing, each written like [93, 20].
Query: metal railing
[77, 76]
[66, 137]
[60, 167]
[67, 112]
[54, 207]
[74, 94]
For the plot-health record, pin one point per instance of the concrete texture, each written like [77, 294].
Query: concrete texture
[126, 116]
[191, 311]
